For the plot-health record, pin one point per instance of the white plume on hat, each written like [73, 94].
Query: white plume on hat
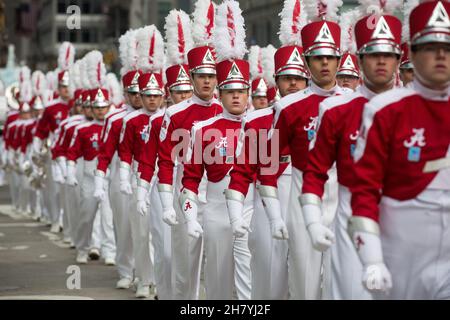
[74, 80]
[347, 23]
[114, 89]
[26, 92]
[268, 64]
[229, 35]
[96, 70]
[292, 22]
[52, 79]
[39, 83]
[24, 75]
[66, 56]
[255, 62]
[409, 5]
[323, 9]
[85, 83]
[202, 27]
[150, 49]
[178, 37]
[128, 51]
[368, 7]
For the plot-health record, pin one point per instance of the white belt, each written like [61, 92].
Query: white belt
[436, 165]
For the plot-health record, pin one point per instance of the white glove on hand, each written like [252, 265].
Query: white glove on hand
[62, 163]
[141, 196]
[376, 276]
[273, 211]
[239, 226]
[99, 192]
[37, 145]
[56, 172]
[71, 174]
[169, 214]
[190, 210]
[125, 183]
[321, 237]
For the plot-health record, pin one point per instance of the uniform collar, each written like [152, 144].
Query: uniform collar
[201, 102]
[366, 92]
[129, 108]
[232, 117]
[95, 121]
[430, 94]
[148, 113]
[323, 92]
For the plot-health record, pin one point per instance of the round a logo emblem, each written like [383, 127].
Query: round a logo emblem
[415, 144]
[94, 140]
[144, 133]
[222, 146]
[311, 127]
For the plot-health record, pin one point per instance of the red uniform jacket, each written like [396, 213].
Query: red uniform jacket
[177, 123]
[402, 130]
[53, 115]
[85, 141]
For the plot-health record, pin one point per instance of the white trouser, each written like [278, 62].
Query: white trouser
[2, 175]
[72, 203]
[140, 232]
[161, 241]
[227, 265]
[24, 193]
[415, 236]
[309, 269]
[14, 188]
[269, 256]
[122, 224]
[187, 252]
[51, 190]
[89, 207]
[346, 267]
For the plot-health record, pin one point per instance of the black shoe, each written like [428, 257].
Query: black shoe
[94, 254]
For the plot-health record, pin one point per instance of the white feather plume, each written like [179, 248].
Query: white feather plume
[24, 75]
[114, 89]
[26, 92]
[255, 61]
[291, 26]
[347, 23]
[229, 34]
[75, 77]
[408, 6]
[148, 62]
[128, 51]
[178, 37]
[96, 70]
[39, 83]
[268, 64]
[202, 27]
[369, 7]
[323, 9]
[52, 79]
[85, 83]
[66, 55]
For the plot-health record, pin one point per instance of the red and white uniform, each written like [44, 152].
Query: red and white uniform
[86, 144]
[186, 251]
[161, 232]
[227, 265]
[402, 131]
[108, 158]
[53, 115]
[338, 128]
[269, 270]
[295, 122]
[133, 136]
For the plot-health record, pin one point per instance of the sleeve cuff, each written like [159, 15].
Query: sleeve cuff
[310, 198]
[364, 224]
[231, 194]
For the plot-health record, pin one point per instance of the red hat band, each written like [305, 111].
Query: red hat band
[273, 95]
[201, 60]
[384, 36]
[151, 84]
[429, 22]
[233, 74]
[348, 66]
[131, 81]
[178, 78]
[321, 38]
[289, 61]
[99, 98]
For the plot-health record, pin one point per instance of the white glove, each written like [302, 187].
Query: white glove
[71, 174]
[37, 145]
[99, 183]
[190, 210]
[272, 208]
[56, 172]
[239, 226]
[141, 196]
[321, 237]
[376, 276]
[125, 183]
[62, 163]
[11, 158]
[169, 214]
